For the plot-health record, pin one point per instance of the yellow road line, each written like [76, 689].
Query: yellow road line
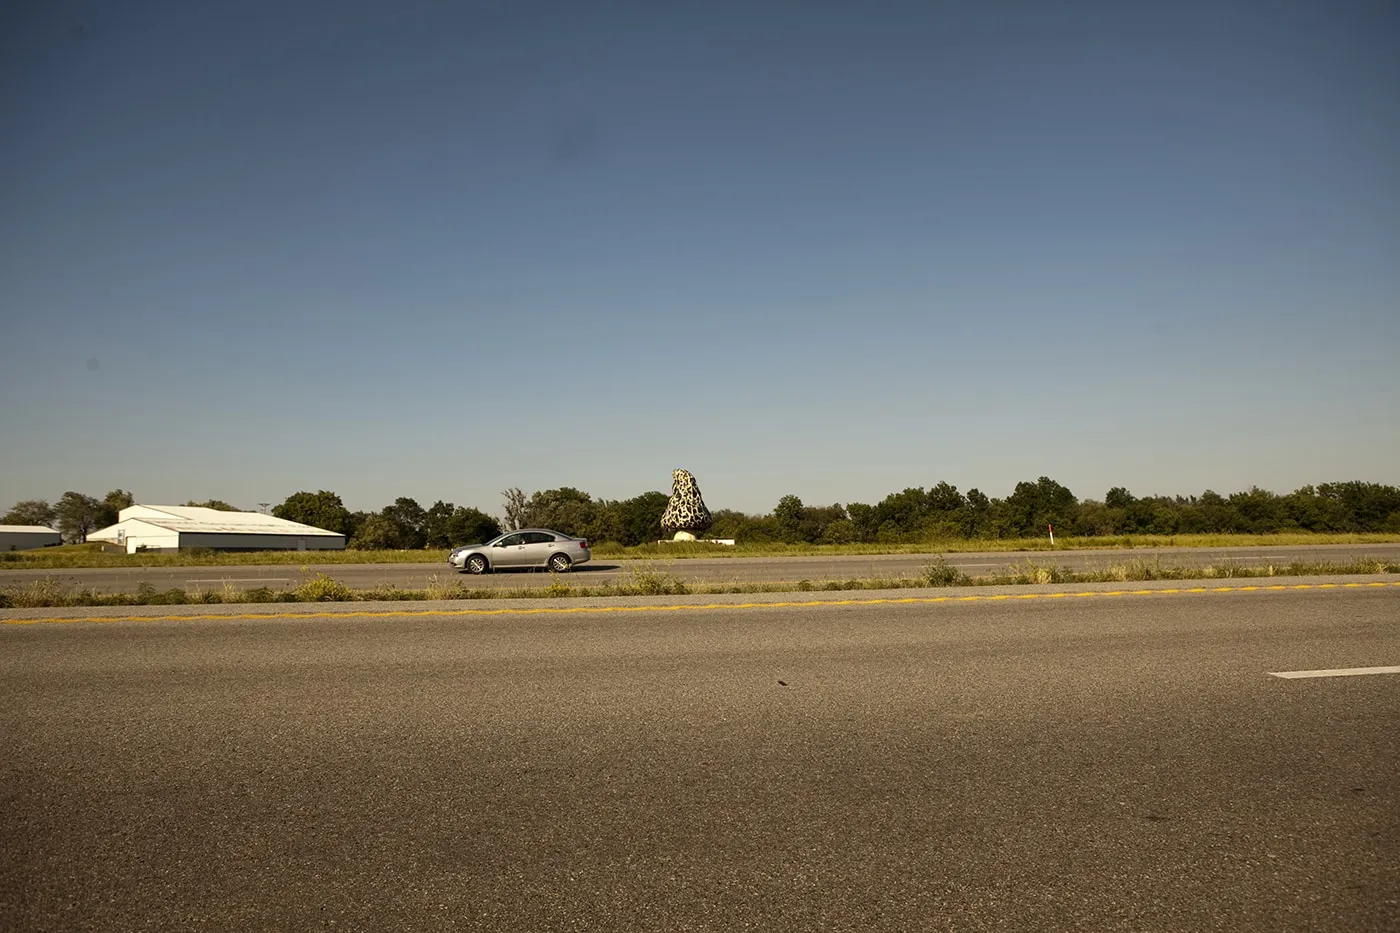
[684, 607]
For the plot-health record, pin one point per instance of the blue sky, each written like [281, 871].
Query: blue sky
[830, 249]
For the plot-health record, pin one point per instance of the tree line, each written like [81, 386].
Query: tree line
[913, 515]
[74, 515]
[941, 512]
[407, 525]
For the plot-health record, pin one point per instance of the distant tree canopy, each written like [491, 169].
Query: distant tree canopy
[30, 512]
[918, 515]
[470, 526]
[219, 504]
[77, 514]
[912, 515]
[321, 509]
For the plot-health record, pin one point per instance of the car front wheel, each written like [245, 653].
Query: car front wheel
[560, 563]
[476, 564]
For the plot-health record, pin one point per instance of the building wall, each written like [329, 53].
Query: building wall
[237, 542]
[25, 540]
[140, 536]
[133, 533]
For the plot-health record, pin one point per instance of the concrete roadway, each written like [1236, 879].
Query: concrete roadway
[698, 570]
[1094, 763]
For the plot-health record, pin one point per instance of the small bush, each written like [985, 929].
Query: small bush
[148, 595]
[557, 588]
[259, 594]
[321, 589]
[1032, 573]
[439, 588]
[938, 572]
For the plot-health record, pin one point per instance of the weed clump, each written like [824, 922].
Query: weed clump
[320, 588]
[557, 588]
[1030, 573]
[938, 572]
[657, 583]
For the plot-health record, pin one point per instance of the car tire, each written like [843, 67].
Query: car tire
[560, 563]
[476, 564]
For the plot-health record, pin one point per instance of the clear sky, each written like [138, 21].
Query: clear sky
[825, 248]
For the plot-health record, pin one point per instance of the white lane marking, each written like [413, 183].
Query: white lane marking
[243, 580]
[1337, 672]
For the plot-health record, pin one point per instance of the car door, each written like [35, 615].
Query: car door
[539, 545]
[509, 551]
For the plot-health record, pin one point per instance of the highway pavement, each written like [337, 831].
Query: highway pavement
[1026, 759]
[694, 570]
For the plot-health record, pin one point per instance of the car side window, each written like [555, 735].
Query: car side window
[538, 537]
[511, 540]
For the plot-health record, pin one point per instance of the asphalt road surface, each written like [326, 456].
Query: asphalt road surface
[1121, 762]
[697, 570]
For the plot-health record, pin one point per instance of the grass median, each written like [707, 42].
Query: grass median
[320, 587]
[77, 556]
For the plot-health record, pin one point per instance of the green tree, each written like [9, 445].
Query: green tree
[76, 515]
[1259, 511]
[1363, 506]
[435, 522]
[841, 531]
[864, 518]
[1033, 506]
[112, 504]
[1097, 520]
[470, 526]
[974, 518]
[945, 498]
[724, 523]
[513, 504]
[906, 510]
[1216, 514]
[411, 520]
[1119, 498]
[321, 509]
[377, 533]
[638, 520]
[787, 516]
[565, 509]
[30, 512]
[355, 522]
[816, 519]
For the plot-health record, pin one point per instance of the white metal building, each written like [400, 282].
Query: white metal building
[171, 527]
[24, 537]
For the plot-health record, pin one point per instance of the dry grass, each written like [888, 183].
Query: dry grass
[319, 587]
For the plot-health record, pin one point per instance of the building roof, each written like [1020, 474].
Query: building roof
[32, 529]
[191, 519]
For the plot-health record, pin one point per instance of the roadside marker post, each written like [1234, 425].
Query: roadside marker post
[1052, 533]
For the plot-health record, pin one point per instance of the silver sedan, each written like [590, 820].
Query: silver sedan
[528, 547]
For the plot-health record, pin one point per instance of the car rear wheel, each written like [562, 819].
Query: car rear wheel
[477, 564]
[560, 563]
